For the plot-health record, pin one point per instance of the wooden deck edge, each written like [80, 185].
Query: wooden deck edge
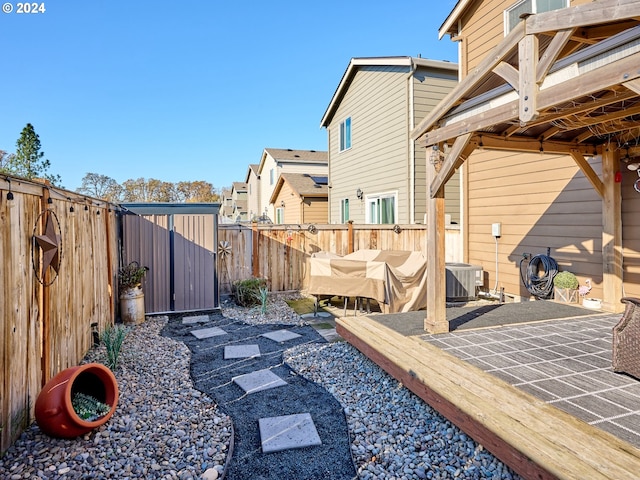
[504, 431]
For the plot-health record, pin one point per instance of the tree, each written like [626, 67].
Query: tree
[198, 191]
[100, 186]
[5, 159]
[29, 161]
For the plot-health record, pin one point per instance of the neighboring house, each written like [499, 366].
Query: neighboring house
[300, 198]
[275, 161]
[239, 202]
[226, 210]
[544, 126]
[252, 180]
[376, 173]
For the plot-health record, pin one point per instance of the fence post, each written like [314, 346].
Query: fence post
[350, 236]
[255, 262]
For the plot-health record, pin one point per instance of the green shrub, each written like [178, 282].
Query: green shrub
[112, 338]
[89, 408]
[248, 292]
[565, 280]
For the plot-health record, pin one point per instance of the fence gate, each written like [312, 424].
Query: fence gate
[178, 242]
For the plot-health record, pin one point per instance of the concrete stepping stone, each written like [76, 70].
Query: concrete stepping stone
[195, 319]
[287, 432]
[208, 332]
[259, 380]
[241, 351]
[319, 314]
[281, 335]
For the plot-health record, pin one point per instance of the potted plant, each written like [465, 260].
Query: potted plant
[565, 287]
[131, 294]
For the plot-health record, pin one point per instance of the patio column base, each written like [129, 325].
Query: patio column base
[432, 326]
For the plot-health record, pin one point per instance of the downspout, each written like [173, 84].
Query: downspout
[411, 149]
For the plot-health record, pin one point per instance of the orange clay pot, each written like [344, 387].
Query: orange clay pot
[54, 412]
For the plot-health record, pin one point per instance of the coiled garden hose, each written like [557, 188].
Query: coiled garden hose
[540, 286]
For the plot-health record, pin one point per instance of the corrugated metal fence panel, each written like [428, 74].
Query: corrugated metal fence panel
[146, 241]
[194, 257]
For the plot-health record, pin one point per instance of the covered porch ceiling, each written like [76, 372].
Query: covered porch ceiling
[564, 82]
[561, 82]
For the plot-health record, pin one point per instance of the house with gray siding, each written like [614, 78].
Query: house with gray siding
[377, 174]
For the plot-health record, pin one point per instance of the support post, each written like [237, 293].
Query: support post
[611, 234]
[436, 319]
[350, 236]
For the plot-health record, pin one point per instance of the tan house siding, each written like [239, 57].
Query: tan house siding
[484, 29]
[314, 210]
[298, 206]
[376, 163]
[542, 202]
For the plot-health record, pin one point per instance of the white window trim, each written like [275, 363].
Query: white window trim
[534, 5]
[279, 216]
[342, 215]
[344, 122]
[369, 198]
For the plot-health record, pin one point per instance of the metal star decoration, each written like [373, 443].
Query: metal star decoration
[49, 243]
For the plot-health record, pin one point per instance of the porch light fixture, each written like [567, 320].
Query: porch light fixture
[282, 203]
[359, 194]
[9, 193]
[480, 144]
[435, 157]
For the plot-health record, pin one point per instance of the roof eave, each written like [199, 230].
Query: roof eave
[452, 19]
[354, 63]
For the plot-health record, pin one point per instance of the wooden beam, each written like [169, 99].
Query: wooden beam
[528, 144]
[633, 85]
[592, 13]
[436, 315]
[611, 233]
[509, 73]
[528, 89]
[614, 97]
[552, 52]
[604, 78]
[471, 80]
[457, 155]
[591, 175]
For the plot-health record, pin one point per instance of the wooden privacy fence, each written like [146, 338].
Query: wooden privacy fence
[47, 321]
[281, 252]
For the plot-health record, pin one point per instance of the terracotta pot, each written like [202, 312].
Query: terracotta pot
[54, 411]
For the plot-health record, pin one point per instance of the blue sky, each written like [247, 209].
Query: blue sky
[193, 89]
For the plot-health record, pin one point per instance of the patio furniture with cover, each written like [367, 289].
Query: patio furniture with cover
[626, 339]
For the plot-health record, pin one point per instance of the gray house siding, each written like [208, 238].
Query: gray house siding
[376, 101]
[429, 88]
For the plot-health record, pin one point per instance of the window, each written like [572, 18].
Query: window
[272, 176]
[345, 134]
[344, 210]
[279, 215]
[512, 14]
[381, 208]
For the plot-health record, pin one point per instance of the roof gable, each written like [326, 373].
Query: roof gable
[356, 64]
[302, 184]
[288, 155]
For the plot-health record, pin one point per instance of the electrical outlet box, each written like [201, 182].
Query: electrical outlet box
[496, 229]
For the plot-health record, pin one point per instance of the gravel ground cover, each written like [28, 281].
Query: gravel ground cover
[165, 428]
